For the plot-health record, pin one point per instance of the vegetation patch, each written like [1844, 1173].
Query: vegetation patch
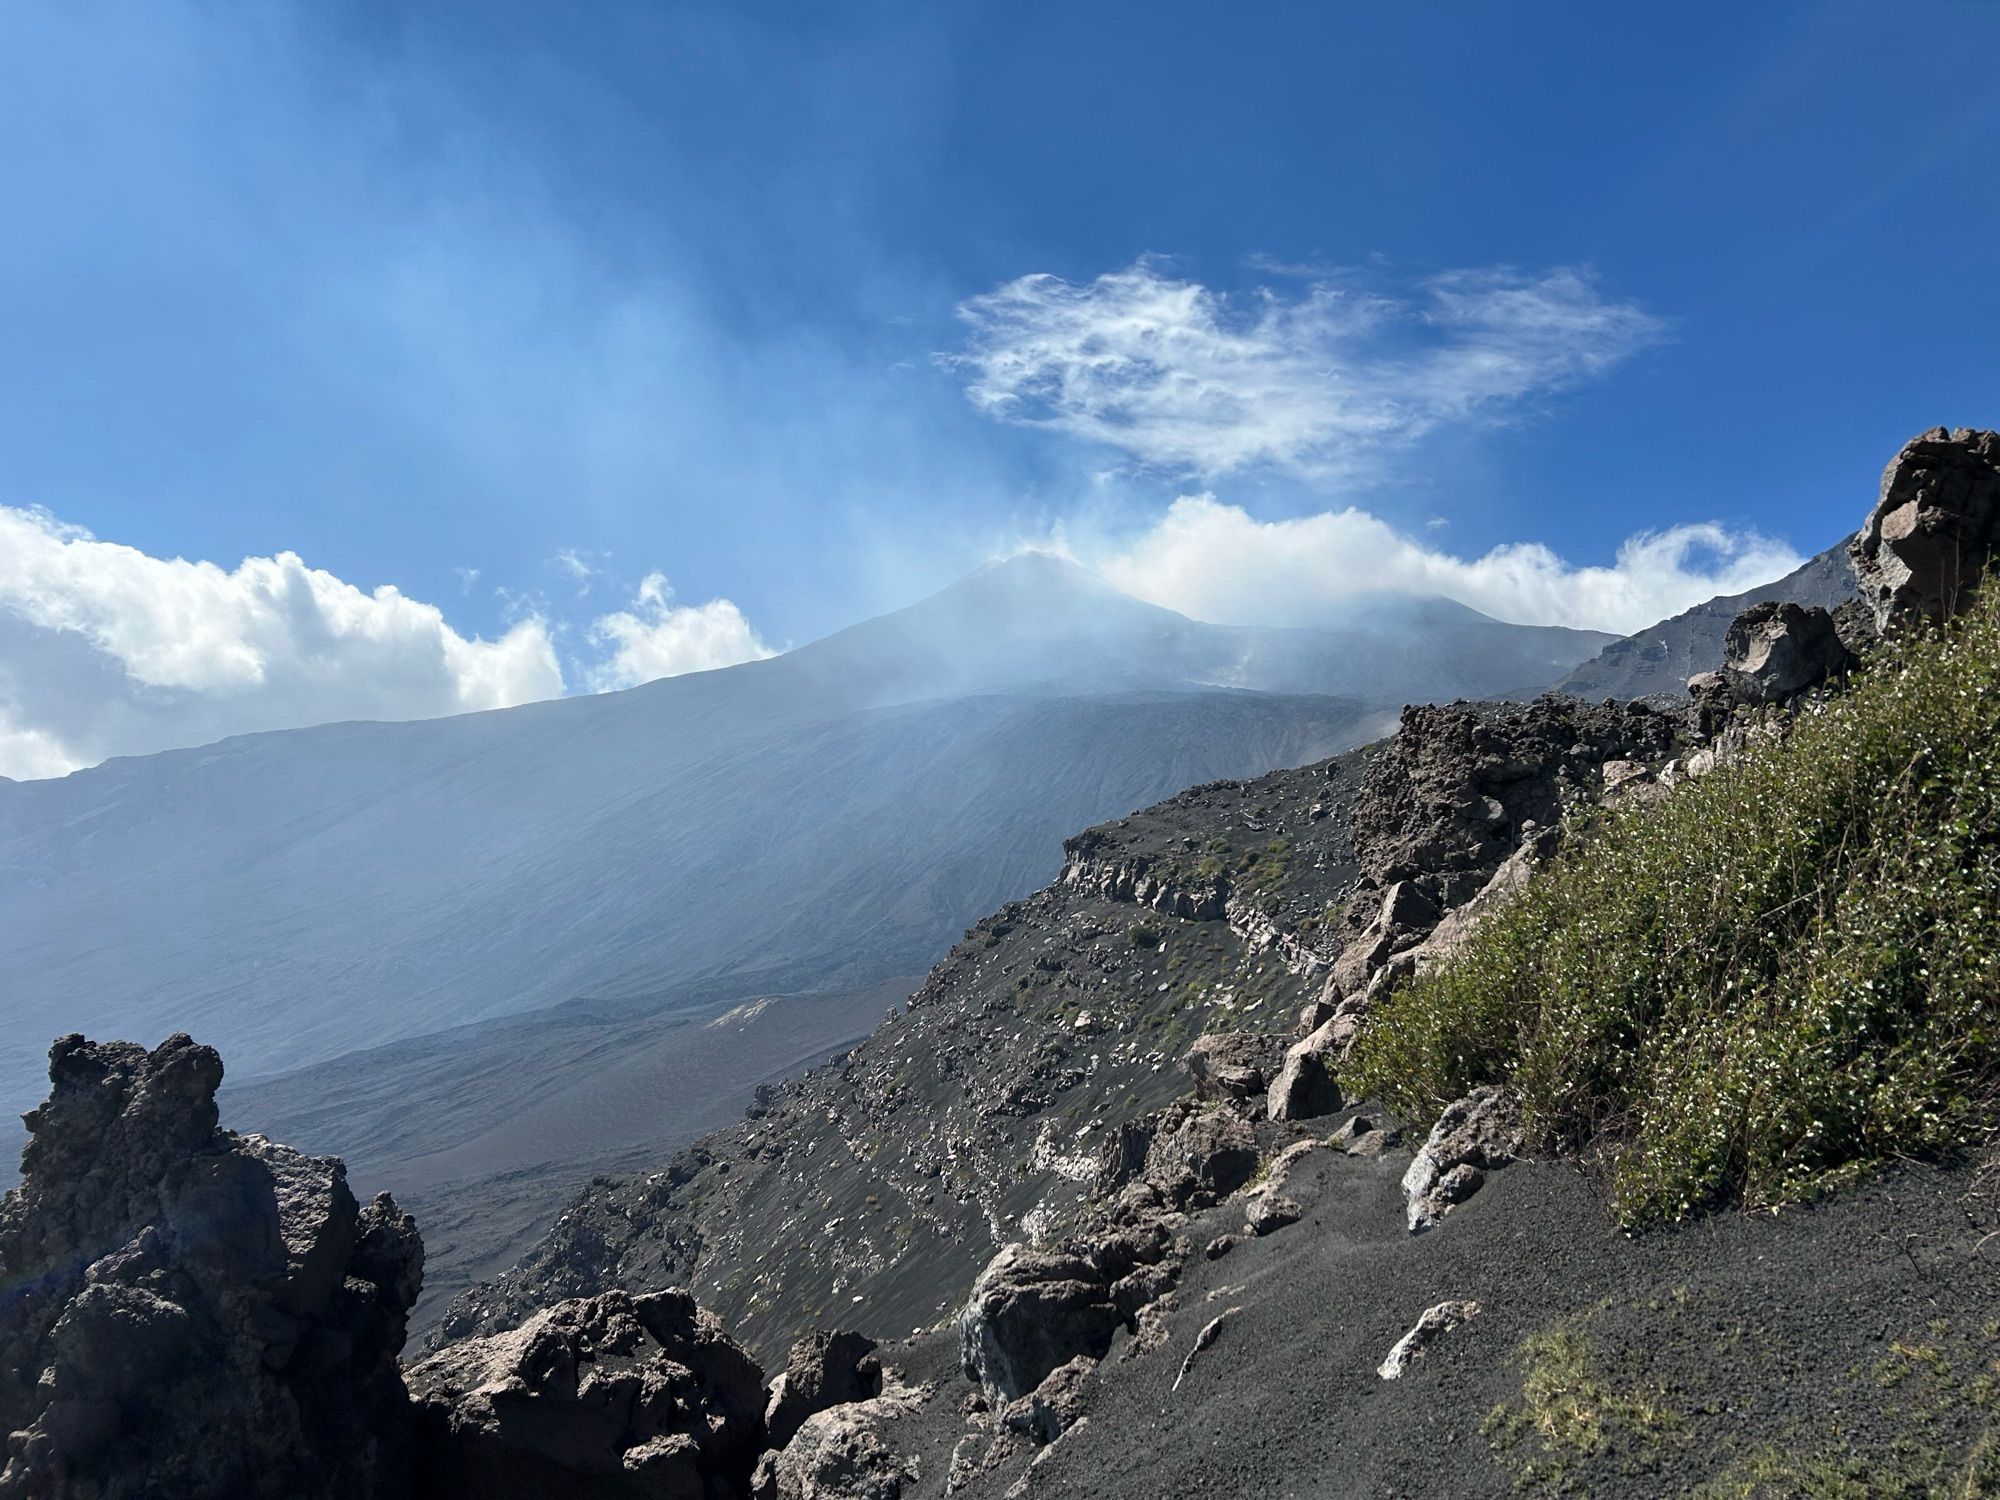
[1764, 983]
[1570, 1414]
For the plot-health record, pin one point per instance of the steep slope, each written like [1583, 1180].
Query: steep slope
[873, 1188]
[825, 817]
[1659, 659]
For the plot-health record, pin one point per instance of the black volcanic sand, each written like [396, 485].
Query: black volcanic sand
[1862, 1331]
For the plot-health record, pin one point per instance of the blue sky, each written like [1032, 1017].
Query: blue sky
[695, 291]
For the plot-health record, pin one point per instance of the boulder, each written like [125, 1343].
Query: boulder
[1927, 542]
[842, 1453]
[1270, 1212]
[1364, 1136]
[1054, 1406]
[1474, 1135]
[1030, 1311]
[1315, 1014]
[825, 1370]
[1214, 1147]
[1305, 1087]
[1774, 651]
[1431, 1325]
[639, 1398]
[189, 1312]
[1033, 1310]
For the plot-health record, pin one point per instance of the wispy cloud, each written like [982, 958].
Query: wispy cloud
[1217, 562]
[1314, 380]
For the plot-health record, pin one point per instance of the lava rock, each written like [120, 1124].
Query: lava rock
[1305, 1087]
[1213, 1149]
[1270, 1212]
[1227, 1065]
[639, 1398]
[825, 1370]
[1474, 1135]
[1775, 651]
[840, 1454]
[189, 1312]
[1054, 1406]
[1030, 1311]
[1927, 542]
[1432, 1325]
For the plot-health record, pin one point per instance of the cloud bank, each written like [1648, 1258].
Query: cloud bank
[656, 639]
[1180, 377]
[1217, 562]
[105, 650]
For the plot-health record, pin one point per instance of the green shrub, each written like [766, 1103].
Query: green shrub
[1763, 983]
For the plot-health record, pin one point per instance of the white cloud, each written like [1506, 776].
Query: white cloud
[105, 650]
[1217, 562]
[1183, 378]
[656, 638]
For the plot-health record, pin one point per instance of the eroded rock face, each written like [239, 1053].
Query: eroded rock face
[1459, 791]
[1305, 1087]
[843, 1453]
[188, 1312]
[1030, 1311]
[1033, 1310]
[1930, 536]
[1230, 1065]
[639, 1398]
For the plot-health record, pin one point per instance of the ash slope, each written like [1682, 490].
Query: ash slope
[825, 818]
[870, 1191]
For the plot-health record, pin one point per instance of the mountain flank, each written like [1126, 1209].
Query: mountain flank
[1350, 1130]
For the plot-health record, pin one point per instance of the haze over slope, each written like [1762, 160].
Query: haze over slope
[826, 817]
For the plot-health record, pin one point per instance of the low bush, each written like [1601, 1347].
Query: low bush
[1760, 985]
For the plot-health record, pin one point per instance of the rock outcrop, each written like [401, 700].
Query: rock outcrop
[1459, 791]
[1929, 538]
[615, 1396]
[189, 1312]
[842, 1453]
[1033, 1310]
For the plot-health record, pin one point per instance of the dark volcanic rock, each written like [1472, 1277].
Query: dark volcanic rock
[1029, 1312]
[1230, 1065]
[843, 1453]
[825, 1369]
[625, 1398]
[1458, 791]
[189, 1312]
[1775, 651]
[1929, 538]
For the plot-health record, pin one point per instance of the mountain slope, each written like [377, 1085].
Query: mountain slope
[826, 817]
[1661, 658]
